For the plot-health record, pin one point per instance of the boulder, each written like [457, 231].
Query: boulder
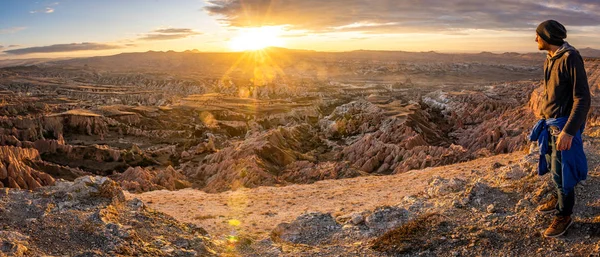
[310, 229]
[386, 218]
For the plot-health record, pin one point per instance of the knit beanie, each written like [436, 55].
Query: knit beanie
[552, 32]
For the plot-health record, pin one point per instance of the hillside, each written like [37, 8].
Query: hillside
[395, 157]
[482, 207]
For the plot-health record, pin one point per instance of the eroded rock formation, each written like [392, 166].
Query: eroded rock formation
[140, 179]
[15, 173]
[234, 131]
[256, 160]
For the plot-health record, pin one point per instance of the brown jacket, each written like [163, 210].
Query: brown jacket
[566, 93]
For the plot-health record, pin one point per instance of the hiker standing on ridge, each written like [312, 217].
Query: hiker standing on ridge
[564, 107]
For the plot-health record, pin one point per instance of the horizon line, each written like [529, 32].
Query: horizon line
[196, 51]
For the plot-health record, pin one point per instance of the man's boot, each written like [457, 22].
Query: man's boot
[548, 207]
[559, 226]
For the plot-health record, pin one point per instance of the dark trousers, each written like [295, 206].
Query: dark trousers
[565, 201]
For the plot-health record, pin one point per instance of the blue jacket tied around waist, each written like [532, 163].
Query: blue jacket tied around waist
[574, 164]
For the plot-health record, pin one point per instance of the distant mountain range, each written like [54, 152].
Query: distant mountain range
[198, 58]
[211, 64]
[589, 52]
[26, 62]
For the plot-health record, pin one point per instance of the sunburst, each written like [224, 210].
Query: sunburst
[250, 39]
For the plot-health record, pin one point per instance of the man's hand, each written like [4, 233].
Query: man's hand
[563, 141]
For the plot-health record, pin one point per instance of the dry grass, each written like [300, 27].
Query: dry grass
[412, 235]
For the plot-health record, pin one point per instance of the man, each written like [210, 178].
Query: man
[564, 108]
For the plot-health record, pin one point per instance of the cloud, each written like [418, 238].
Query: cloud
[11, 30]
[46, 10]
[169, 34]
[403, 16]
[11, 46]
[174, 31]
[1, 47]
[62, 48]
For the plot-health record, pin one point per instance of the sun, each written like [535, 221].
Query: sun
[250, 39]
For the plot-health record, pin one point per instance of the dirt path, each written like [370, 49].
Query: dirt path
[255, 212]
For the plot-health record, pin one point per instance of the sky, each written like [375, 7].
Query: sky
[74, 28]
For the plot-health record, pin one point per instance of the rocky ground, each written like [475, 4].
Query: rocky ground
[91, 217]
[484, 207]
[480, 207]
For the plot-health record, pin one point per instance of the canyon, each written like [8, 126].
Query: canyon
[280, 153]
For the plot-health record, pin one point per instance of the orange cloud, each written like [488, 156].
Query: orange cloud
[169, 34]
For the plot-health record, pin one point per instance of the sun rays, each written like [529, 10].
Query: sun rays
[260, 68]
[251, 39]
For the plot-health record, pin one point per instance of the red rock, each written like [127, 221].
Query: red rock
[18, 173]
[140, 179]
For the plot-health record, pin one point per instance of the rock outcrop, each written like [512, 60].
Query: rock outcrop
[391, 138]
[15, 173]
[311, 229]
[140, 179]
[255, 161]
[496, 120]
[90, 217]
